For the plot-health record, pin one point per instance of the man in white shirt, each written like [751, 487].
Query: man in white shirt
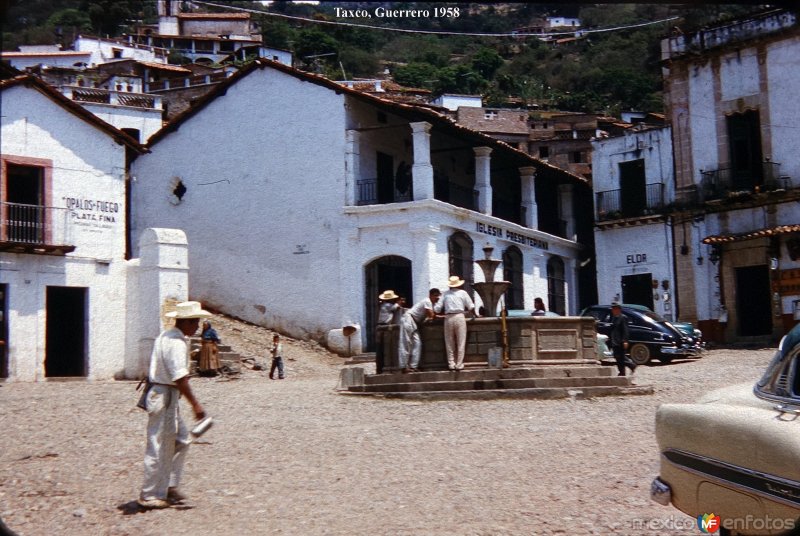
[410, 344]
[454, 304]
[167, 435]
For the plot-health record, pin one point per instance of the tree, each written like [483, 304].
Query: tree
[486, 62]
[417, 74]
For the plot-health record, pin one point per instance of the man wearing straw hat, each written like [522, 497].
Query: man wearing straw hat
[390, 312]
[454, 304]
[167, 435]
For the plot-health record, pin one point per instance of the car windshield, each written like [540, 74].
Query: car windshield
[653, 317]
[776, 383]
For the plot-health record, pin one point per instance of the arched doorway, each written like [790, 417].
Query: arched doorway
[389, 272]
[512, 272]
[556, 286]
[460, 253]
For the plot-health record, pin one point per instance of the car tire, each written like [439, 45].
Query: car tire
[640, 354]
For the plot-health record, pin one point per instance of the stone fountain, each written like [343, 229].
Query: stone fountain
[490, 290]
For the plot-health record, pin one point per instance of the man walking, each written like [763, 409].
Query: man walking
[454, 304]
[619, 338]
[410, 344]
[167, 435]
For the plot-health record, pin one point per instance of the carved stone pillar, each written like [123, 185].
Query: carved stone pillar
[483, 179]
[422, 170]
[527, 175]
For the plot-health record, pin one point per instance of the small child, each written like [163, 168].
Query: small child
[277, 358]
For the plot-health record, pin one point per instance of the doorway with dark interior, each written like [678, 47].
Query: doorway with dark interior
[65, 332]
[633, 191]
[391, 272]
[24, 204]
[753, 303]
[638, 289]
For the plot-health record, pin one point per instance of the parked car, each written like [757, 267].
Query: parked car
[687, 328]
[650, 335]
[600, 345]
[736, 452]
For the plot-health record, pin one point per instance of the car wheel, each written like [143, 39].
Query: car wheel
[640, 354]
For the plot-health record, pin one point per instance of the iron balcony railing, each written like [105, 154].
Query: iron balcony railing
[609, 204]
[105, 96]
[721, 183]
[35, 225]
[367, 194]
[456, 194]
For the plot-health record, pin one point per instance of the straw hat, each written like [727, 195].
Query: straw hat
[454, 281]
[388, 295]
[189, 309]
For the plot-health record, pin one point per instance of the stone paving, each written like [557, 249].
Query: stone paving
[294, 457]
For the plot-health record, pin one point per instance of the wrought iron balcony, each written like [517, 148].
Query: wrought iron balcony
[726, 182]
[610, 204]
[456, 194]
[35, 229]
[369, 193]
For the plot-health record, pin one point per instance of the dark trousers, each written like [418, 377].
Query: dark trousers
[622, 360]
[277, 363]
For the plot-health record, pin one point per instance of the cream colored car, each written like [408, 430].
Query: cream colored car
[736, 452]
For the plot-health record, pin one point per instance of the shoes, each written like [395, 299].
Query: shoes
[621, 374]
[413, 369]
[281, 377]
[451, 366]
[460, 367]
[406, 370]
[153, 504]
[175, 496]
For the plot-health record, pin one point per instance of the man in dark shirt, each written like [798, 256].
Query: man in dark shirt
[619, 339]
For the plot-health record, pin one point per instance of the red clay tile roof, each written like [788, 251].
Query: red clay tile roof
[31, 81]
[7, 54]
[212, 16]
[164, 67]
[408, 111]
[760, 233]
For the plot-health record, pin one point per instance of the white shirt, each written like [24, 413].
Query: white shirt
[454, 301]
[418, 311]
[170, 358]
[387, 313]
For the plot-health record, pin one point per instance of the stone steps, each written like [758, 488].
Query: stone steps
[539, 393]
[492, 374]
[226, 354]
[488, 385]
[544, 381]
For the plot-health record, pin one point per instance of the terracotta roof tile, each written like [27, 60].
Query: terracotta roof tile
[760, 233]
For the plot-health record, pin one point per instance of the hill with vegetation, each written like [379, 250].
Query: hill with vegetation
[604, 71]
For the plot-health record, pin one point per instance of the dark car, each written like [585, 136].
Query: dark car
[650, 335]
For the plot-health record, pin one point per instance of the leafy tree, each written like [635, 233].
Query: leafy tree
[416, 74]
[486, 62]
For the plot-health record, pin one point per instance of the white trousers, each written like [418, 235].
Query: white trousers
[409, 343]
[455, 339]
[167, 443]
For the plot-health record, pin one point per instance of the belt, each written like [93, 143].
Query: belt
[458, 313]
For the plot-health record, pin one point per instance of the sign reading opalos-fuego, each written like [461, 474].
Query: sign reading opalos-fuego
[94, 212]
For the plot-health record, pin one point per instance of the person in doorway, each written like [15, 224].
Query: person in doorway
[277, 358]
[619, 339]
[455, 304]
[167, 435]
[538, 307]
[209, 352]
[409, 348]
[390, 312]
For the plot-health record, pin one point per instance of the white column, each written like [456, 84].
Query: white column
[565, 200]
[352, 161]
[483, 179]
[526, 179]
[571, 276]
[424, 236]
[422, 170]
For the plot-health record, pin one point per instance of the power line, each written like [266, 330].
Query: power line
[437, 32]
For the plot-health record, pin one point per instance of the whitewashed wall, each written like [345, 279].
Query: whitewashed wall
[103, 51]
[88, 178]
[264, 170]
[146, 121]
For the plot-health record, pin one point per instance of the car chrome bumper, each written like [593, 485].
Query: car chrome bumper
[660, 492]
[674, 350]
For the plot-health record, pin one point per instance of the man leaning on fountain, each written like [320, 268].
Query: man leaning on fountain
[455, 303]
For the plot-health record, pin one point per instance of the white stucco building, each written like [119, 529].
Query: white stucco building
[633, 183]
[71, 303]
[731, 94]
[303, 200]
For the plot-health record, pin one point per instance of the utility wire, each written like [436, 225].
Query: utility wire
[436, 32]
